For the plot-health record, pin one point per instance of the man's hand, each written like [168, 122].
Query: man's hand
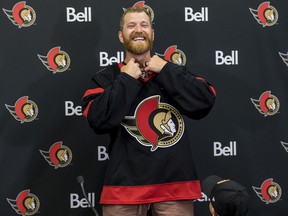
[132, 69]
[155, 64]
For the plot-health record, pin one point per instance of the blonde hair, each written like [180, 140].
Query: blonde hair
[134, 9]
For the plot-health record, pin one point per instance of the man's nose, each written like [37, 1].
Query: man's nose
[138, 28]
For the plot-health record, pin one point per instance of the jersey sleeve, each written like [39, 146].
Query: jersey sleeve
[192, 95]
[108, 99]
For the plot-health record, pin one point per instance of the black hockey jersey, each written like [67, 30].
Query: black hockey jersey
[150, 153]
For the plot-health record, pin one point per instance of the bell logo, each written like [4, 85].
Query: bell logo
[198, 16]
[225, 151]
[76, 202]
[102, 153]
[70, 110]
[72, 16]
[227, 60]
[105, 60]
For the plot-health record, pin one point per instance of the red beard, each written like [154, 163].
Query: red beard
[135, 47]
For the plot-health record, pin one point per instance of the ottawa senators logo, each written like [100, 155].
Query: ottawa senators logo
[267, 104]
[58, 155]
[269, 192]
[155, 124]
[21, 15]
[141, 4]
[24, 110]
[56, 60]
[25, 203]
[174, 55]
[284, 57]
[266, 15]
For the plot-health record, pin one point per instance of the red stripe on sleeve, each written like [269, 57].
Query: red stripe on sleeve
[200, 78]
[211, 87]
[85, 113]
[93, 91]
[213, 90]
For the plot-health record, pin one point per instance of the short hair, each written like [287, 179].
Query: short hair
[134, 9]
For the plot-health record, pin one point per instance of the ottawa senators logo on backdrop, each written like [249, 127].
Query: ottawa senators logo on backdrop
[284, 57]
[24, 110]
[155, 124]
[25, 203]
[146, 7]
[267, 104]
[266, 15]
[58, 155]
[56, 60]
[21, 15]
[269, 192]
[174, 55]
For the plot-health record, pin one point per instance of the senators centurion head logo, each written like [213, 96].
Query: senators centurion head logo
[24, 110]
[266, 15]
[56, 60]
[21, 15]
[58, 155]
[267, 104]
[269, 192]
[141, 4]
[155, 124]
[174, 55]
[25, 203]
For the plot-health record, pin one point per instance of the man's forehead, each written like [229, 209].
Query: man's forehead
[136, 16]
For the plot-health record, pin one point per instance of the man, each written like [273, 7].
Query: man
[135, 101]
[227, 197]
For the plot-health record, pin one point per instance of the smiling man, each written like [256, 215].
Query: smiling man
[136, 34]
[136, 101]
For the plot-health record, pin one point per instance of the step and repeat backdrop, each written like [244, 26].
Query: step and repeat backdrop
[50, 49]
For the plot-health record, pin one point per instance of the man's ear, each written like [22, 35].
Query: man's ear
[120, 36]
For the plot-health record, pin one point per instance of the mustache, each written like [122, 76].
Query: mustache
[138, 34]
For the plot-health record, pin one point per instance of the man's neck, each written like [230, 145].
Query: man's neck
[140, 59]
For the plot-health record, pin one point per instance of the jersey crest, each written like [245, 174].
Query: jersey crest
[155, 124]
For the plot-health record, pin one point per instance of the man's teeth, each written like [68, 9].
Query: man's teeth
[138, 38]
